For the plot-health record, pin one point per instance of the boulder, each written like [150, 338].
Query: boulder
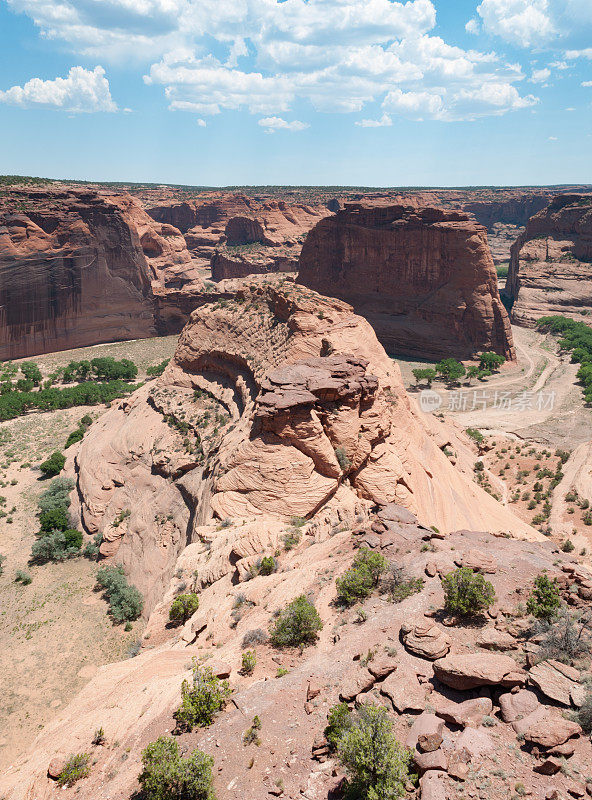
[558, 681]
[493, 639]
[546, 728]
[433, 785]
[404, 691]
[426, 639]
[515, 705]
[435, 759]
[356, 683]
[470, 671]
[467, 713]
[382, 665]
[549, 766]
[479, 561]
[56, 767]
[427, 728]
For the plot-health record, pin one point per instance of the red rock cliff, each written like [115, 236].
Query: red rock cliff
[551, 262]
[424, 278]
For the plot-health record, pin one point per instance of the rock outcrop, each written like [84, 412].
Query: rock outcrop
[278, 402]
[551, 263]
[78, 267]
[423, 277]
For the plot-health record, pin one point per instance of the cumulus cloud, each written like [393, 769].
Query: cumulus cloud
[339, 56]
[586, 53]
[201, 123]
[540, 75]
[524, 22]
[81, 91]
[473, 27]
[273, 124]
[384, 122]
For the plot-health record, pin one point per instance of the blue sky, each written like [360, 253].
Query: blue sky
[350, 92]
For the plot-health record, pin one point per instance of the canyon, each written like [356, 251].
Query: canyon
[423, 277]
[551, 262]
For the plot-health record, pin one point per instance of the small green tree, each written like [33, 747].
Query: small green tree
[183, 608]
[76, 767]
[490, 361]
[166, 775]
[472, 372]
[450, 369]
[376, 763]
[53, 465]
[467, 592]
[268, 565]
[201, 699]
[339, 720]
[249, 662]
[544, 600]
[31, 372]
[298, 624]
[362, 577]
[424, 374]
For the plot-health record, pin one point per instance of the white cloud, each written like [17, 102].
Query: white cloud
[82, 91]
[586, 53]
[540, 75]
[473, 26]
[523, 22]
[552, 138]
[201, 123]
[211, 56]
[586, 83]
[384, 122]
[273, 124]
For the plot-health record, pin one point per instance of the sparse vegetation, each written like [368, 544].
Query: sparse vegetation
[125, 601]
[297, 625]
[201, 699]
[544, 600]
[248, 662]
[167, 775]
[361, 578]
[76, 767]
[467, 592]
[183, 608]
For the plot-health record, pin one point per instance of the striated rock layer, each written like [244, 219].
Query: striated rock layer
[78, 267]
[278, 403]
[423, 277]
[551, 263]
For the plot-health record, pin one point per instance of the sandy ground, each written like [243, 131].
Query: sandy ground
[55, 632]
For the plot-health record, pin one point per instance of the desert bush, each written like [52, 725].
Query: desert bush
[74, 436]
[22, 577]
[201, 699]
[166, 775]
[56, 495]
[339, 720]
[125, 601]
[56, 519]
[183, 607]
[248, 662]
[544, 600]
[361, 578]
[251, 735]
[584, 714]
[2, 560]
[297, 625]
[568, 546]
[76, 767]
[342, 458]
[156, 370]
[268, 565]
[53, 465]
[467, 592]
[565, 637]
[256, 636]
[56, 546]
[291, 539]
[376, 763]
[475, 434]
[92, 548]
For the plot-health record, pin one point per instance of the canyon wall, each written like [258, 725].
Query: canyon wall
[551, 263]
[423, 277]
[78, 267]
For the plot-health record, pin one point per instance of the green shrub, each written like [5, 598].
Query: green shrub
[361, 578]
[475, 434]
[376, 763]
[74, 436]
[56, 519]
[544, 600]
[53, 465]
[125, 600]
[297, 625]
[584, 714]
[166, 775]
[339, 720]
[342, 458]
[15, 403]
[428, 375]
[183, 607]
[156, 370]
[201, 699]
[568, 546]
[86, 420]
[56, 495]
[490, 361]
[31, 372]
[268, 565]
[249, 661]
[467, 592]
[76, 767]
[92, 549]
[2, 560]
[22, 577]
[252, 734]
[291, 539]
[56, 546]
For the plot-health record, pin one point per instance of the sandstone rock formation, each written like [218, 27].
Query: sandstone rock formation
[286, 421]
[78, 267]
[424, 278]
[551, 263]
